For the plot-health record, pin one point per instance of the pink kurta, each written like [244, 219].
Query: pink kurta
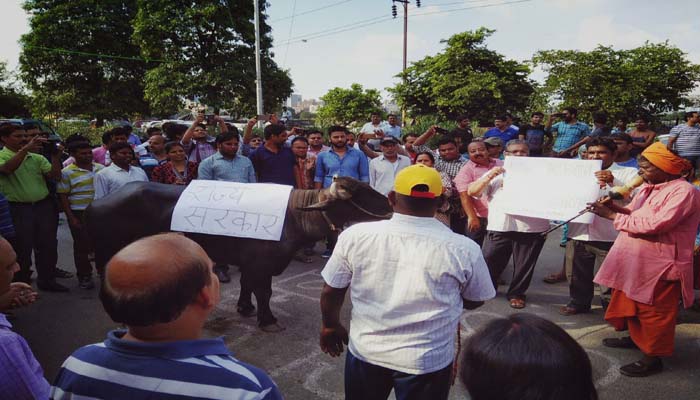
[655, 242]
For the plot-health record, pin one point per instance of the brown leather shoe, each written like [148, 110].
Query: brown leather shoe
[569, 309]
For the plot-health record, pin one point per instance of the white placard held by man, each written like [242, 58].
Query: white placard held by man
[550, 188]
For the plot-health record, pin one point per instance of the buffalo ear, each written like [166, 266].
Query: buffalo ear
[320, 206]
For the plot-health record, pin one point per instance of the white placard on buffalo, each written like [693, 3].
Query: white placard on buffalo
[250, 210]
[550, 188]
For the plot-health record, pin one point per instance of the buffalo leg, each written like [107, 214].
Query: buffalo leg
[245, 301]
[263, 292]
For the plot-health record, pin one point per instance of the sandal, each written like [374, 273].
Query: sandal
[620, 343]
[554, 278]
[517, 303]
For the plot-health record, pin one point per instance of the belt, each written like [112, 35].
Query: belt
[26, 203]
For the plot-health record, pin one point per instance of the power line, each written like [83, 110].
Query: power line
[313, 10]
[300, 38]
[291, 25]
[376, 20]
[470, 8]
[98, 55]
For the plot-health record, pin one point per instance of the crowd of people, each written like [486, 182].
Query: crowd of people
[445, 249]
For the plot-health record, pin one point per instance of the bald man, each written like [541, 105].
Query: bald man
[161, 354]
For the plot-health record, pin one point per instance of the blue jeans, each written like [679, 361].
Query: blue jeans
[365, 381]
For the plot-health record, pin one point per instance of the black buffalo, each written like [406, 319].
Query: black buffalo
[142, 209]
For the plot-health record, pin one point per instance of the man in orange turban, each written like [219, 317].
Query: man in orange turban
[650, 265]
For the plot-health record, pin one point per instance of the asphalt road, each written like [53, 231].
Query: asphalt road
[59, 323]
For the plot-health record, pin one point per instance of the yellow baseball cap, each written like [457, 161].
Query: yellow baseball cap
[418, 174]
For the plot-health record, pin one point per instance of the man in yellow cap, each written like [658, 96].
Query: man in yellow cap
[650, 266]
[410, 277]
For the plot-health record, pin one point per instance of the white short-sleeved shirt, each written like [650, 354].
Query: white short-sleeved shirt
[499, 221]
[369, 127]
[382, 172]
[602, 229]
[110, 179]
[407, 277]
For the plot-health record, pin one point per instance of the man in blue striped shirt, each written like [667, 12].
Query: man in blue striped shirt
[161, 355]
[571, 133]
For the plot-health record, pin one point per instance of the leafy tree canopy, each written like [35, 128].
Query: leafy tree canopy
[13, 103]
[68, 62]
[343, 106]
[466, 77]
[207, 49]
[650, 79]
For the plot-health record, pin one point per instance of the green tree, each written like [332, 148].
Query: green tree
[343, 106]
[650, 79]
[13, 103]
[208, 49]
[78, 58]
[466, 77]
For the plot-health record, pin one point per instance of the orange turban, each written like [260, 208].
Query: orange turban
[665, 160]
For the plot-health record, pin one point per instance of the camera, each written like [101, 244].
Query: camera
[442, 131]
[558, 115]
[50, 146]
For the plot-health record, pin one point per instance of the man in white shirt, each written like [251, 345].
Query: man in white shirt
[374, 129]
[592, 241]
[119, 173]
[383, 169]
[410, 278]
[508, 235]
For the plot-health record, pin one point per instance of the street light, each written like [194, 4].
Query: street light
[405, 40]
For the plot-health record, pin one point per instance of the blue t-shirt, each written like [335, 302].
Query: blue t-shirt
[534, 136]
[632, 162]
[274, 167]
[507, 135]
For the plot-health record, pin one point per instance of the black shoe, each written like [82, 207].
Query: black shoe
[52, 286]
[61, 274]
[86, 283]
[641, 369]
[223, 275]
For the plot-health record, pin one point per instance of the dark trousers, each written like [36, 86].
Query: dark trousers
[365, 381]
[35, 227]
[331, 240]
[480, 233]
[525, 249]
[458, 224]
[82, 246]
[587, 255]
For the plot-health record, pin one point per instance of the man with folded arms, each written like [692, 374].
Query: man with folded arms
[650, 266]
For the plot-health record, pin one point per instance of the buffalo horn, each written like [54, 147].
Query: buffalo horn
[339, 192]
[320, 206]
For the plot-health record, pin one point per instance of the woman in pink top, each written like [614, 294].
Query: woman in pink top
[650, 266]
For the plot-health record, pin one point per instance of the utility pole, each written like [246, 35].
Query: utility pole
[405, 41]
[258, 73]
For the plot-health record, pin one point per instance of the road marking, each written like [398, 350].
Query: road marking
[613, 372]
[293, 277]
[312, 383]
[295, 364]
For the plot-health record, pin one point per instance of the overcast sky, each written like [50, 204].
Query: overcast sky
[371, 54]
